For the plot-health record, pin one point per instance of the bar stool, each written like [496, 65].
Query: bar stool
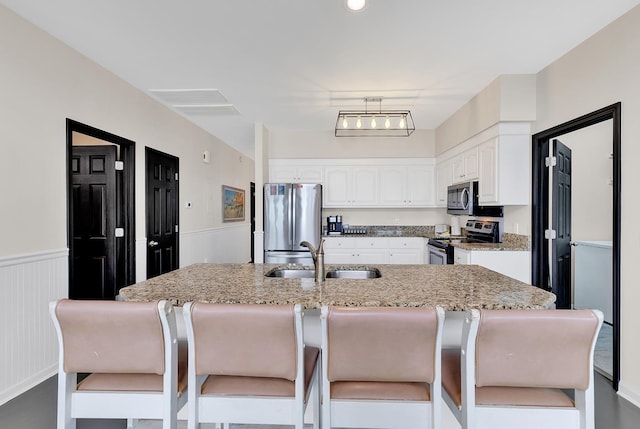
[514, 365]
[381, 367]
[248, 364]
[131, 351]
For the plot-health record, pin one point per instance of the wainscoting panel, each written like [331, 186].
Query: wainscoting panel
[228, 244]
[28, 343]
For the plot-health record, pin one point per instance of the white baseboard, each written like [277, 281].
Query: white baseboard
[629, 394]
[28, 383]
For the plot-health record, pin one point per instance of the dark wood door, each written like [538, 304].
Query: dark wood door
[162, 212]
[93, 247]
[561, 223]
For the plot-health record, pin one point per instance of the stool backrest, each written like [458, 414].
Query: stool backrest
[111, 336]
[382, 344]
[245, 340]
[535, 348]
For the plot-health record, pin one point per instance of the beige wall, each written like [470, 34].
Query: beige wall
[591, 191]
[324, 144]
[507, 98]
[42, 83]
[600, 72]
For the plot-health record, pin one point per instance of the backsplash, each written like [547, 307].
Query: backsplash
[516, 241]
[395, 230]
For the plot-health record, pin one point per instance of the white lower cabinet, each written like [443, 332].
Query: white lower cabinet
[374, 250]
[406, 250]
[515, 264]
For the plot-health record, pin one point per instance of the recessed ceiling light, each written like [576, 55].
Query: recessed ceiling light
[355, 5]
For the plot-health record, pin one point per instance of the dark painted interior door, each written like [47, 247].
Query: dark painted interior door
[561, 223]
[162, 212]
[93, 250]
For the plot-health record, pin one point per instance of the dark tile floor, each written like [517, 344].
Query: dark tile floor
[36, 409]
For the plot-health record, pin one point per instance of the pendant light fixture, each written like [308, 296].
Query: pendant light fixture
[355, 5]
[374, 123]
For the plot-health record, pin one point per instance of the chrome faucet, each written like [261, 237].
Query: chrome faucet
[318, 258]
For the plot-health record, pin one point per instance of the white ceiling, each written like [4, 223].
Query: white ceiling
[292, 64]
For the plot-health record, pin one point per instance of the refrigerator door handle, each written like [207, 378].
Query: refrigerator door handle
[292, 215]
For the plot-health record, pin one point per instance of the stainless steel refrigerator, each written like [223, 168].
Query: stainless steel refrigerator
[292, 214]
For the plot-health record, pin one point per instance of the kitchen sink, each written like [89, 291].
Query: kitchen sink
[368, 273]
[291, 274]
[342, 273]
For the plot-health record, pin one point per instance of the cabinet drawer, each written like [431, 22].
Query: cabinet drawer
[339, 243]
[372, 243]
[406, 243]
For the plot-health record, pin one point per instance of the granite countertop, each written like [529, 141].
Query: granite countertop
[453, 287]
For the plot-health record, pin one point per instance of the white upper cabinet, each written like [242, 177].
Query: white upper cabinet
[504, 171]
[464, 167]
[370, 183]
[298, 171]
[350, 187]
[443, 180]
[407, 186]
[498, 158]
[421, 186]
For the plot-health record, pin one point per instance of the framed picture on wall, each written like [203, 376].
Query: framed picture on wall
[232, 204]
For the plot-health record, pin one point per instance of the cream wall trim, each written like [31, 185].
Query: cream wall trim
[6, 261]
[28, 344]
[629, 394]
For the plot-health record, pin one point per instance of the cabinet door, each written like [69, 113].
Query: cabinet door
[392, 186]
[461, 257]
[364, 191]
[405, 256]
[471, 164]
[515, 264]
[282, 174]
[406, 250]
[488, 172]
[339, 250]
[296, 174]
[443, 180]
[336, 191]
[457, 169]
[372, 256]
[309, 174]
[420, 186]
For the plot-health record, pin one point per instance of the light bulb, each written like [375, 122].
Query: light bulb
[356, 5]
[358, 123]
[402, 123]
[387, 123]
[345, 123]
[373, 122]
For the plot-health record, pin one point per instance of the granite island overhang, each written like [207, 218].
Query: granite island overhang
[453, 287]
[456, 288]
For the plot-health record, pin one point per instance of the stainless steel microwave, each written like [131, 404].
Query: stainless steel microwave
[461, 198]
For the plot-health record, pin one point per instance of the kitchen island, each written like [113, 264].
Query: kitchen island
[456, 288]
[453, 287]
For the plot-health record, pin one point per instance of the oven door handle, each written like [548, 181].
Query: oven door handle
[437, 249]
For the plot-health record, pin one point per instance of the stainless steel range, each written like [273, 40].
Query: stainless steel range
[478, 231]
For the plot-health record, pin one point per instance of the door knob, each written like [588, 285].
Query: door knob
[153, 243]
